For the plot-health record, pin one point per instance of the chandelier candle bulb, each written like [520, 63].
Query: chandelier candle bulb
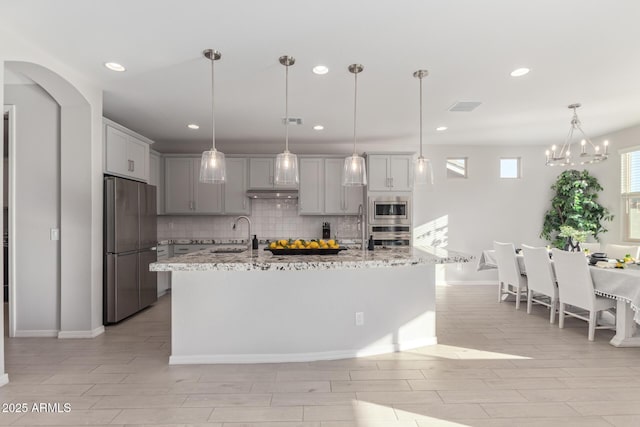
[606, 147]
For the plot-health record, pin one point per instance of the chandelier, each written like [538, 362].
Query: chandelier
[589, 152]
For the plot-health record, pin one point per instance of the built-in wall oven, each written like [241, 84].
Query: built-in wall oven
[390, 220]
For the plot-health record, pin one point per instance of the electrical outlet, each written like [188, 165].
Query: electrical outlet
[54, 234]
[459, 267]
[359, 318]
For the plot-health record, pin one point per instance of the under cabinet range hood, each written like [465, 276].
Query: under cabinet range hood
[273, 194]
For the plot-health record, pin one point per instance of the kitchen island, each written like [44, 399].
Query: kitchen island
[254, 307]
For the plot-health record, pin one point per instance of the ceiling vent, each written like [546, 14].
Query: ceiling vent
[293, 121]
[464, 106]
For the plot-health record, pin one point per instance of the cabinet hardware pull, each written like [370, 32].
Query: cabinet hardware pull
[133, 165]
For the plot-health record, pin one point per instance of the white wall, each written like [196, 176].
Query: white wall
[37, 200]
[484, 207]
[81, 180]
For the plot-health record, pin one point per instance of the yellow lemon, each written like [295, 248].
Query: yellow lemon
[325, 246]
[321, 242]
[297, 242]
[331, 242]
[283, 242]
[334, 246]
[314, 245]
[273, 245]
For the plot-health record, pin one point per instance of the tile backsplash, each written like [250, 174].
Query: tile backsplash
[270, 219]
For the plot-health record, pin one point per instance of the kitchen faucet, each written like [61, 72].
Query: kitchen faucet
[360, 223]
[235, 223]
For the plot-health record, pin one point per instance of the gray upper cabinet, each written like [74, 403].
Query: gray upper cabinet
[156, 177]
[321, 189]
[126, 154]
[390, 172]
[262, 174]
[184, 194]
[338, 199]
[311, 196]
[235, 188]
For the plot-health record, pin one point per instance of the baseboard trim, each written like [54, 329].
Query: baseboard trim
[81, 334]
[36, 333]
[469, 282]
[4, 379]
[300, 357]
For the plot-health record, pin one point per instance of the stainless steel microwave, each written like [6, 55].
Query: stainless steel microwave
[390, 210]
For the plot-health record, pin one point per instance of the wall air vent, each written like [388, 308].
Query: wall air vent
[293, 121]
[464, 106]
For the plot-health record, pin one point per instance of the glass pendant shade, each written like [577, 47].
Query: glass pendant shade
[423, 172]
[212, 167]
[355, 171]
[286, 169]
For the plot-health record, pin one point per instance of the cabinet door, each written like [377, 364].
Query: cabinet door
[137, 158]
[207, 197]
[401, 176]
[261, 173]
[178, 185]
[311, 197]
[116, 152]
[235, 188]
[156, 177]
[333, 189]
[353, 199]
[378, 173]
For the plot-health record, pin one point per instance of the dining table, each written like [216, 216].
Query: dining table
[620, 284]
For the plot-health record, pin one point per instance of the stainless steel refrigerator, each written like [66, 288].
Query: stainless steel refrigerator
[130, 240]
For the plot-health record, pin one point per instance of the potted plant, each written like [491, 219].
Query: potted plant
[573, 237]
[574, 205]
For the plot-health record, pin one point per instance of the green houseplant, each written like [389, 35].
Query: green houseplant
[574, 205]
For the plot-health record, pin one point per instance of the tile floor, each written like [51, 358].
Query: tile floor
[494, 367]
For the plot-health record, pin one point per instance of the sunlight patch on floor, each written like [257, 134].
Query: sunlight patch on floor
[462, 353]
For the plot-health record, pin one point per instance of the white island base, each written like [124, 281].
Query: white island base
[300, 315]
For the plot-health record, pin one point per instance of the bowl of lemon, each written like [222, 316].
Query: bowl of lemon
[304, 247]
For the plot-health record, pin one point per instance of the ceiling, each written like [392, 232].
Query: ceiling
[578, 51]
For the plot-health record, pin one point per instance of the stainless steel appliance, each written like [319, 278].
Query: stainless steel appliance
[390, 220]
[130, 238]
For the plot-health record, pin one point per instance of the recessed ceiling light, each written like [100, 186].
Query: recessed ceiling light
[320, 69]
[441, 128]
[519, 72]
[114, 66]
[318, 127]
[193, 126]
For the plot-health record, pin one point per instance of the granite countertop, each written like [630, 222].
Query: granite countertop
[260, 259]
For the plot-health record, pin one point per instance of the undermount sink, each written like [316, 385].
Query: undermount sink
[227, 250]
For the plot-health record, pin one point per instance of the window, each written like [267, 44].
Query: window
[630, 189]
[457, 167]
[510, 167]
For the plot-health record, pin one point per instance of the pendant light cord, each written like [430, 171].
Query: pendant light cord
[286, 108]
[420, 117]
[355, 108]
[213, 116]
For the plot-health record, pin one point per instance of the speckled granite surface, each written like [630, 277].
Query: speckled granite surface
[353, 258]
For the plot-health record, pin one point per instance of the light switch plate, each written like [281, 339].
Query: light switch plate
[55, 234]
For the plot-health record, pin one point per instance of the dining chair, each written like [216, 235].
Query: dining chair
[575, 288]
[540, 279]
[592, 247]
[509, 272]
[619, 251]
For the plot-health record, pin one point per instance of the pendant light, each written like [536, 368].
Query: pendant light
[212, 166]
[588, 153]
[355, 171]
[286, 162]
[423, 172]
